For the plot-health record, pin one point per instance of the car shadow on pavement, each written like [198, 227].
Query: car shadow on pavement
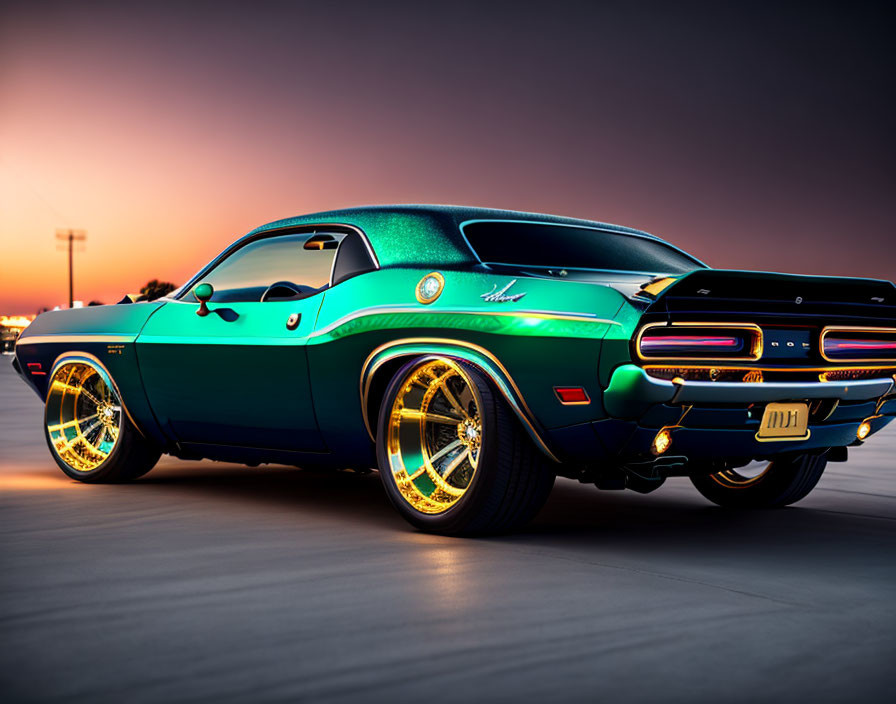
[682, 521]
[673, 519]
[357, 497]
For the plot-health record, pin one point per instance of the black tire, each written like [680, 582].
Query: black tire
[785, 481]
[132, 457]
[511, 483]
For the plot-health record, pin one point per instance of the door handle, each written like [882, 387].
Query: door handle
[292, 322]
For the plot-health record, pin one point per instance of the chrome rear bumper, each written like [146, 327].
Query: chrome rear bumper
[632, 391]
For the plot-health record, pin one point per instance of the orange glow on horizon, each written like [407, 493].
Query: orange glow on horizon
[166, 133]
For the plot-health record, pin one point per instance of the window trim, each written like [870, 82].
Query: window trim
[338, 228]
[606, 230]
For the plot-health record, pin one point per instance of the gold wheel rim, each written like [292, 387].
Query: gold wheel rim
[83, 416]
[435, 435]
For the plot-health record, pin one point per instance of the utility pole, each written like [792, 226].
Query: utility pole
[71, 236]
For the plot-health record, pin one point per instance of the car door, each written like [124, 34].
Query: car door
[238, 375]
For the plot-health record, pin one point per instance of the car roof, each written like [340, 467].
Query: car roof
[426, 234]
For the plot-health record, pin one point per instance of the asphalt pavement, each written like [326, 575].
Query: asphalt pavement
[212, 582]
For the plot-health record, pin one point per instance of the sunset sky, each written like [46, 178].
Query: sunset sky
[754, 138]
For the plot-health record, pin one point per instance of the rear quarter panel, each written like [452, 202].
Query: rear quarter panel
[380, 308]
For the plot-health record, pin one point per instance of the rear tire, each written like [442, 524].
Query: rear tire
[452, 455]
[785, 481]
[89, 434]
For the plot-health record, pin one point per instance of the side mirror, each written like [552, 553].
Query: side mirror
[203, 293]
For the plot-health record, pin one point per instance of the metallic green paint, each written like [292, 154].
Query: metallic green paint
[238, 384]
[631, 392]
[223, 380]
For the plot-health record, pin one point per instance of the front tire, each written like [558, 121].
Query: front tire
[452, 455]
[89, 435]
[784, 481]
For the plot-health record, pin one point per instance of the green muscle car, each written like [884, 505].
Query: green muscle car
[473, 355]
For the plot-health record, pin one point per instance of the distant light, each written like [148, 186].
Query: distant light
[15, 321]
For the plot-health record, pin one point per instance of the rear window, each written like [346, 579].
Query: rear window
[560, 246]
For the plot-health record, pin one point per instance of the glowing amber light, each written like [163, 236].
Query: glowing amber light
[662, 442]
[864, 430]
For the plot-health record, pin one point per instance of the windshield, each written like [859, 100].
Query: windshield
[562, 246]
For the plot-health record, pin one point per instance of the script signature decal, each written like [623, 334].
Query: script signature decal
[501, 296]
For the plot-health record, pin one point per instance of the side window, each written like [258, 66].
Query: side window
[247, 273]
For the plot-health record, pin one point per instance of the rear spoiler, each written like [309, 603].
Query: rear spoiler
[751, 294]
[768, 286]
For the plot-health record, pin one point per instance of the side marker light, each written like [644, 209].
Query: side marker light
[572, 395]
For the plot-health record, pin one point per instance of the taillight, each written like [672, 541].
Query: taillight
[849, 344]
[698, 341]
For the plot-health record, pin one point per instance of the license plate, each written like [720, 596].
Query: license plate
[784, 421]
